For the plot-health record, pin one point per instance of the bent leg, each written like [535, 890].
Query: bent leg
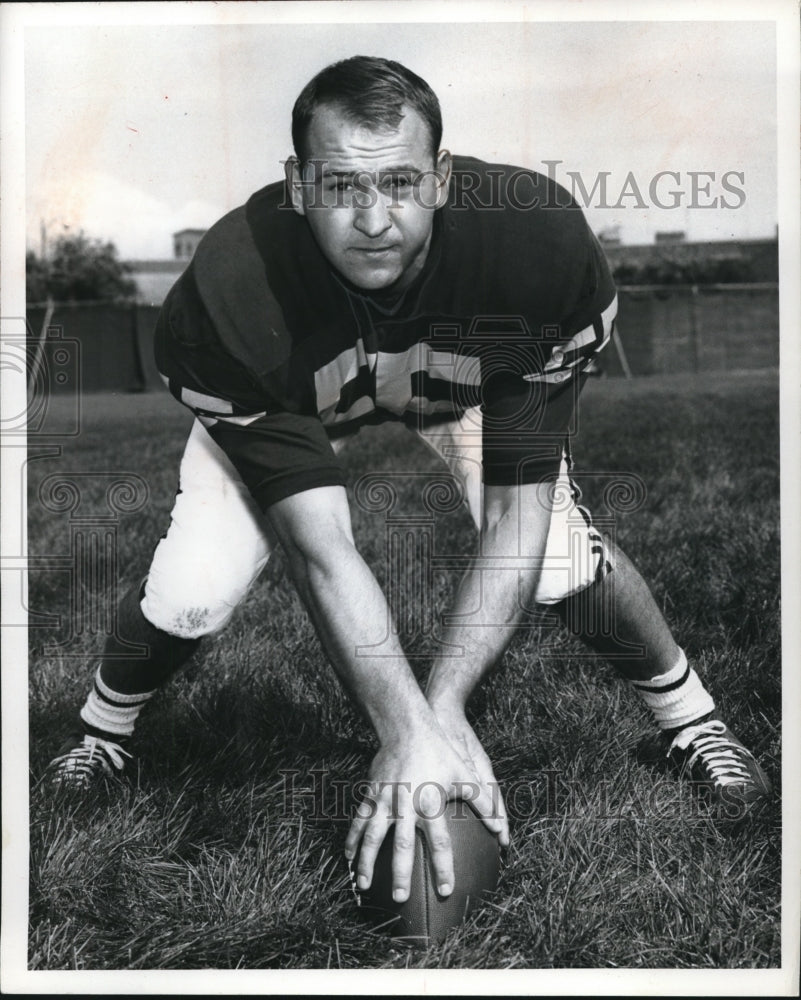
[593, 586]
[214, 549]
[619, 618]
[575, 553]
[216, 546]
[601, 597]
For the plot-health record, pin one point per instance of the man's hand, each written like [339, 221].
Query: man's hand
[410, 782]
[417, 770]
[486, 611]
[463, 739]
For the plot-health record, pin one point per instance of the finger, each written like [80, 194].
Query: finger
[499, 805]
[439, 844]
[372, 839]
[403, 850]
[500, 811]
[488, 803]
[487, 778]
[430, 802]
[364, 813]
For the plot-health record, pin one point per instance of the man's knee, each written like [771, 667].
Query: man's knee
[186, 612]
[198, 578]
[576, 558]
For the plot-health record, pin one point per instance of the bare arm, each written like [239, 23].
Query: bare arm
[350, 613]
[347, 607]
[513, 537]
[489, 598]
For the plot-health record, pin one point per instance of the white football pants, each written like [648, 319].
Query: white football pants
[219, 541]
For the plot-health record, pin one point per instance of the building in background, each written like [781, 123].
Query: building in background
[609, 236]
[184, 243]
[667, 260]
[670, 236]
[154, 278]
[684, 308]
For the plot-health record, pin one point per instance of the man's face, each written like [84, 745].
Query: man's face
[369, 196]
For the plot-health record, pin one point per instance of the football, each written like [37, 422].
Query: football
[426, 917]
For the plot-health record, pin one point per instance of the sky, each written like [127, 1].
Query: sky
[136, 131]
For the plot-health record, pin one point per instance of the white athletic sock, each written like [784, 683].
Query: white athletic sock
[111, 711]
[677, 697]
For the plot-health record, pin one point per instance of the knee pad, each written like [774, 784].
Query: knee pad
[191, 599]
[186, 612]
[215, 547]
[575, 554]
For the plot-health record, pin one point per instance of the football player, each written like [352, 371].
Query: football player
[385, 279]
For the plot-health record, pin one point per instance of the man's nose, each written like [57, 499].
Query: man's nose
[372, 216]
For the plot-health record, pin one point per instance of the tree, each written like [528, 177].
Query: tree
[78, 269]
[36, 274]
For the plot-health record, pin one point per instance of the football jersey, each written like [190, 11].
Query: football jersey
[275, 352]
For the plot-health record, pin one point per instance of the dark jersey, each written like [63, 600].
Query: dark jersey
[276, 353]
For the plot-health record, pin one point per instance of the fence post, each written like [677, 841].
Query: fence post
[37, 360]
[621, 354]
[694, 327]
[140, 373]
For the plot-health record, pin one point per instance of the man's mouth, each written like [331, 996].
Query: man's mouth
[375, 251]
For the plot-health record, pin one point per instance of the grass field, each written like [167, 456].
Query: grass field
[211, 857]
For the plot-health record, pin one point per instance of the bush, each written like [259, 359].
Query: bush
[666, 271]
[79, 269]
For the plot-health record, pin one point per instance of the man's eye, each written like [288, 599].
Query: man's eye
[343, 185]
[399, 182]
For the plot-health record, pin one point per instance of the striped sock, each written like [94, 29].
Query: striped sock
[111, 712]
[676, 698]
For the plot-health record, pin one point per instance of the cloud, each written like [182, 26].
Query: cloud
[108, 208]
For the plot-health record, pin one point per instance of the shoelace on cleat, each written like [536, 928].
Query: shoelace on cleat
[82, 760]
[723, 759]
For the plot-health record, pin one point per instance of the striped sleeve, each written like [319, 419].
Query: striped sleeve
[528, 412]
[276, 451]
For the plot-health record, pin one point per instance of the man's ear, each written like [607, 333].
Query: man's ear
[294, 184]
[444, 168]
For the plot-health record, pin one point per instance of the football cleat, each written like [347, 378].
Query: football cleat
[83, 759]
[712, 756]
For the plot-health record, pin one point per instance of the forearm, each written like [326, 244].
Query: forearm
[416, 764]
[351, 616]
[491, 598]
